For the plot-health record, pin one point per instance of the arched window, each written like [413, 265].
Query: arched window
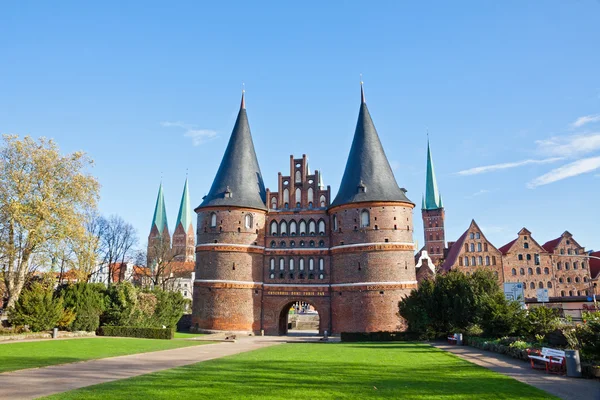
[311, 264]
[562, 293]
[568, 279]
[286, 195]
[321, 264]
[473, 261]
[538, 270]
[302, 227]
[480, 260]
[272, 265]
[460, 261]
[364, 219]
[321, 227]
[273, 244]
[291, 264]
[298, 195]
[570, 293]
[487, 260]
[546, 271]
[298, 177]
[525, 245]
[310, 195]
[477, 235]
[282, 244]
[541, 285]
[311, 243]
[466, 247]
[575, 265]
[466, 261]
[520, 257]
[530, 271]
[514, 271]
[471, 235]
[321, 276]
[576, 279]
[472, 247]
[213, 220]
[248, 221]
[283, 228]
[531, 285]
[561, 280]
[281, 264]
[558, 265]
[478, 246]
[528, 257]
[335, 223]
[274, 203]
[431, 236]
[292, 243]
[322, 201]
[567, 266]
[293, 227]
[522, 271]
[274, 228]
[549, 285]
[312, 227]
[301, 264]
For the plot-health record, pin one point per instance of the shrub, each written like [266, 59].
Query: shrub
[170, 307]
[146, 333]
[541, 321]
[501, 317]
[87, 300]
[38, 308]
[120, 303]
[378, 336]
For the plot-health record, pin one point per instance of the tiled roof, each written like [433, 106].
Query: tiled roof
[504, 249]
[454, 250]
[550, 245]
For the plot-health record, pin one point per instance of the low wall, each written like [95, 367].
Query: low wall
[46, 335]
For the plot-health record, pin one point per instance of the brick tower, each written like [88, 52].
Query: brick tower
[371, 241]
[230, 227]
[183, 236]
[159, 237]
[433, 215]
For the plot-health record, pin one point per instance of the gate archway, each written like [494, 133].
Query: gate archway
[300, 317]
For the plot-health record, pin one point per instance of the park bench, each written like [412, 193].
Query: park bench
[551, 360]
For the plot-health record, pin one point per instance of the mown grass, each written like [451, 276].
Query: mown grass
[21, 355]
[321, 371]
[187, 335]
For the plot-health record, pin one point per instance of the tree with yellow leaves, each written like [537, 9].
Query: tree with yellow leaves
[45, 197]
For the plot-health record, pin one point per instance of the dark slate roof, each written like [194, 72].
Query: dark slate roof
[238, 181]
[368, 175]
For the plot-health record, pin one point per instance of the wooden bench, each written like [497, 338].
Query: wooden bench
[551, 360]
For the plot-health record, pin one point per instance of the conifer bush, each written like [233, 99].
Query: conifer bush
[38, 308]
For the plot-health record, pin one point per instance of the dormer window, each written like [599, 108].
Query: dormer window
[228, 193]
[361, 188]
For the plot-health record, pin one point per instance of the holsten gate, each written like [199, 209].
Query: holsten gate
[259, 251]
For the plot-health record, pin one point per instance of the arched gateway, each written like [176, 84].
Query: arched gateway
[350, 258]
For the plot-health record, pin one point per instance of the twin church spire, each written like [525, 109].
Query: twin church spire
[432, 199]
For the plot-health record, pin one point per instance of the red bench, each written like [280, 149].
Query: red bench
[551, 360]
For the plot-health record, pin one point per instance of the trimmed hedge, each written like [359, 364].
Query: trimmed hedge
[379, 336]
[130, 331]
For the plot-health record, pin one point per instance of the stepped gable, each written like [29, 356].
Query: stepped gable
[368, 175]
[238, 181]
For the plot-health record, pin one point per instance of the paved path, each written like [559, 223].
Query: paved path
[560, 386]
[37, 382]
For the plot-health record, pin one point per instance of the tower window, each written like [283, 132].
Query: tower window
[364, 219]
[335, 223]
[213, 220]
[274, 228]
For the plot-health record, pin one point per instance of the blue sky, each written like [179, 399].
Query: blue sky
[509, 91]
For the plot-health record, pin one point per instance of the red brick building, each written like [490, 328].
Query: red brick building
[259, 252]
[571, 266]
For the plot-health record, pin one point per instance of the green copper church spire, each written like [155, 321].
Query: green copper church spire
[433, 199]
[185, 210]
[160, 213]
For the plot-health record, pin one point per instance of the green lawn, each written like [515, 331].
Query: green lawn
[187, 335]
[23, 355]
[321, 371]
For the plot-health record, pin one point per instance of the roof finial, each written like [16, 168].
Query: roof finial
[186, 173]
[362, 92]
[243, 105]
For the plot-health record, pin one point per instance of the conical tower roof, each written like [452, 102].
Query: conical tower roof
[238, 181]
[185, 210]
[160, 213]
[433, 199]
[368, 175]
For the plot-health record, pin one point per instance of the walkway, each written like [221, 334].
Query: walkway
[560, 386]
[37, 382]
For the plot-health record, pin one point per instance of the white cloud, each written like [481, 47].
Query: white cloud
[198, 136]
[569, 146]
[478, 193]
[586, 119]
[496, 167]
[578, 167]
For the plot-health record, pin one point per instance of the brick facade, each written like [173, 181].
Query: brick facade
[352, 263]
[435, 238]
[571, 266]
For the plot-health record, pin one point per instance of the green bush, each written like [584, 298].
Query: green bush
[129, 331]
[456, 303]
[170, 307]
[120, 303]
[541, 321]
[37, 308]
[87, 300]
[378, 336]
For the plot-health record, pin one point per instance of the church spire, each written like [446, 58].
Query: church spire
[368, 175]
[160, 214]
[184, 218]
[433, 199]
[238, 181]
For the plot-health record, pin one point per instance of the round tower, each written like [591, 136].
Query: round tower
[371, 239]
[230, 237]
